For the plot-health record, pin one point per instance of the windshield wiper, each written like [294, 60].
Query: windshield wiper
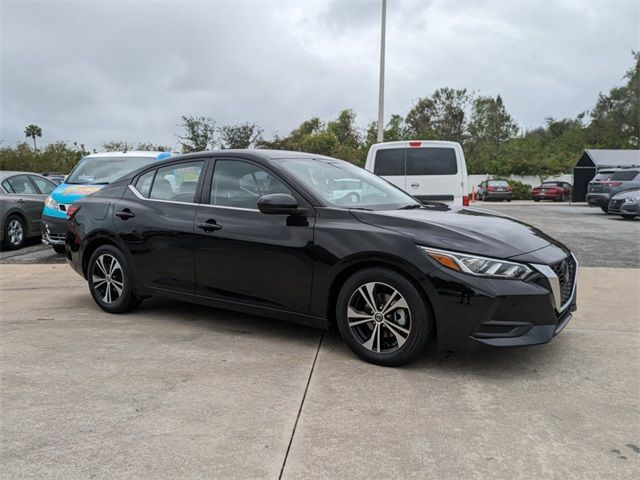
[361, 208]
[411, 207]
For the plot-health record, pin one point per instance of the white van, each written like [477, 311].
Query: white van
[431, 171]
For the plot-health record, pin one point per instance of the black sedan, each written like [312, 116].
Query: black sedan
[263, 232]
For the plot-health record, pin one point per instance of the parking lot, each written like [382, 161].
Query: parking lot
[181, 391]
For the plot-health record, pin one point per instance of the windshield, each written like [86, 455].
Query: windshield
[103, 170]
[344, 185]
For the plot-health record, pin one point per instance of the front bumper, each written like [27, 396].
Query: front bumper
[630, 209]
[475, 313]
[54, 230]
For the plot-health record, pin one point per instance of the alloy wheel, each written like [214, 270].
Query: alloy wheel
[379, 317]
[108, 278]
[15, 232]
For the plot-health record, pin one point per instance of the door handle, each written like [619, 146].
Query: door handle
[21, 200]
[209, 226]
[125, 214]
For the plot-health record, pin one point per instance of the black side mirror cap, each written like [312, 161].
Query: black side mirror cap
[279, 204]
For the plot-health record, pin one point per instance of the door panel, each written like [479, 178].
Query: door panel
[159, 231]
[26, 197]
[250, 257]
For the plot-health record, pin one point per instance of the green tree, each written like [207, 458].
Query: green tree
[442, 116]
[117, 146]
[33, 131]
[199, 133]
[395, 130]
[345, 129]
[151, 147]
[243, 135]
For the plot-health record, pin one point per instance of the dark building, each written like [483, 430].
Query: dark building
[592, 160]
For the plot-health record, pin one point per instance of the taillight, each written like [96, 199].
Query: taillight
[612, 184]
[490, 189]
[509, 189]
[415, 144]
[465, 201]
[71, 211]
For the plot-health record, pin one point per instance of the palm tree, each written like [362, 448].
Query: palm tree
[33, 131]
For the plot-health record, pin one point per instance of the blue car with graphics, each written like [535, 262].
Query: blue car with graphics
[90, 174]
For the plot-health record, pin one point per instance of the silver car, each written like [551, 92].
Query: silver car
[22, 197]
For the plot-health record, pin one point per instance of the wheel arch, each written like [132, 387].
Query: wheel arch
[394, 264]
[93, 244]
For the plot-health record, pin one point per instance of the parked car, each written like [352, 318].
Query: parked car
[626, 204]
[258, 232]
[90, 174]
[431, 171]
[494, 190]
[55, 177]
[601, 190]
[556, 191]
[22, 197]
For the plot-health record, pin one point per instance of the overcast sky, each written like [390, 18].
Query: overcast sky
[92, 71]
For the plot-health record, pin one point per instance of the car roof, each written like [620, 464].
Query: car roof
[259, 155]
[9, 173]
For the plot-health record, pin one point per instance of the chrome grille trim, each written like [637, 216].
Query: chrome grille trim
[554, 281]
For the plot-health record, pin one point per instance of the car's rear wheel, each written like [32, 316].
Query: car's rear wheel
[604, 208]
[15, 233]
[111, 281]
[59, 249]
[383, 317]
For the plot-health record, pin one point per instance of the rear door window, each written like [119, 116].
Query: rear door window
[176, 183]
[390, 161]
[20, 184]
[431, 161]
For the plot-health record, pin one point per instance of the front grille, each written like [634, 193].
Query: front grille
[614, 205]
[566, 272]
[58, 237]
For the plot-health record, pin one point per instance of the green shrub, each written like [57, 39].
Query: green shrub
[521, 191]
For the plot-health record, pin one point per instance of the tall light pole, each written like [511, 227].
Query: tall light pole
[381, 92]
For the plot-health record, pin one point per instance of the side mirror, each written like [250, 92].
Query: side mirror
[278, 204]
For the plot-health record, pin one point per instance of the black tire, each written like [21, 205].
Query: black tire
[59, 249]
[536, 199]
[99, 263]
[605, 209]
[508, 199]
[417, 316]
[15, 233]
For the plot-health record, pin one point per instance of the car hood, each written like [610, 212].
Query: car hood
[65, 193]
[627, 194]
[468, 230]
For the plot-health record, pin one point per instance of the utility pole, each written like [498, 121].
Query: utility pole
[381, 92]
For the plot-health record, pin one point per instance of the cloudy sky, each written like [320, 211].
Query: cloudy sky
[92, 71]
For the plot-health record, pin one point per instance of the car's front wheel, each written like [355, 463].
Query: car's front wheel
[383, 317]
[111, 281]
[59, 249]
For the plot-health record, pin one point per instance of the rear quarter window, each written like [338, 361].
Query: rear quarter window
[624, 175]
[431, 161]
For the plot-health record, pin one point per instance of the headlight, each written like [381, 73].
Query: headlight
[632, 199]
[51, 203]
[478, 266]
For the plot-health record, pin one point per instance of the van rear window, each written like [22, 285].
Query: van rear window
[415, 161]
[431, 161]
[389, 161]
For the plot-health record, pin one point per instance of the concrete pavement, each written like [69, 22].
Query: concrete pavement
[181, 391]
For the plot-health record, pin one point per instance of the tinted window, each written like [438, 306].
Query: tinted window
[176, 183]
[21, 184]
[143, 185]
[602, 176]
[7, 187]
[389, 161]
[45, 186]
[240, 184]
[498, 183]
[431, 161]
[624, 175]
